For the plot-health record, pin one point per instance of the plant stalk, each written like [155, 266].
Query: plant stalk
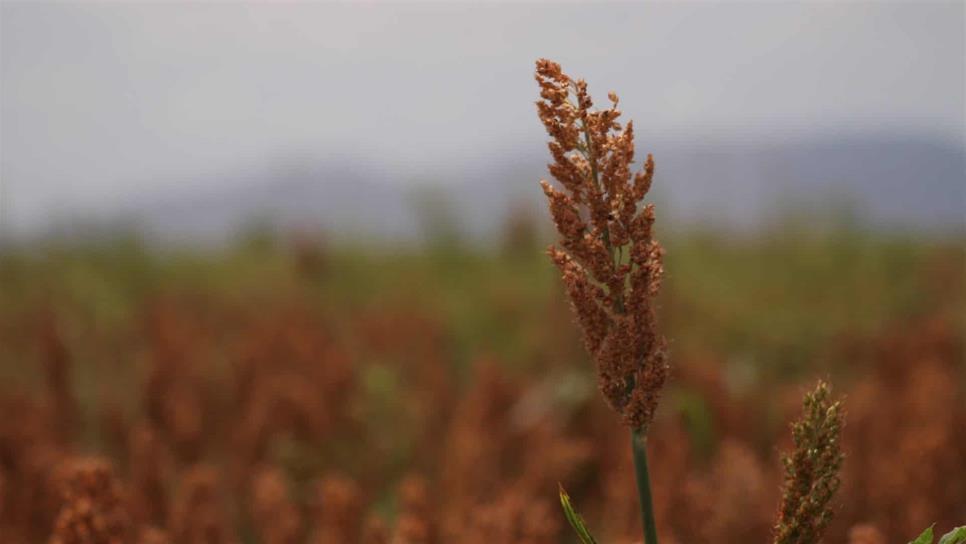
[639, 447]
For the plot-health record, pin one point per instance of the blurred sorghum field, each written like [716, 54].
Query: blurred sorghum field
[292, 391]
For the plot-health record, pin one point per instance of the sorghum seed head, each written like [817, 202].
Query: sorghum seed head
[610, 264]
[811, 471]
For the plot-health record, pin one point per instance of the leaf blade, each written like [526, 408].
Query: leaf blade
[576, 522]
[925, 537]
[956, 536]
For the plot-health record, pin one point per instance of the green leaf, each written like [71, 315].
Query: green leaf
[574, 518]
[956, 536]
[925, 537]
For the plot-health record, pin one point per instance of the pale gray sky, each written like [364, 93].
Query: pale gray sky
[105, 101]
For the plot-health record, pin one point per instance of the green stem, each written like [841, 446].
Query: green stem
[639, 447]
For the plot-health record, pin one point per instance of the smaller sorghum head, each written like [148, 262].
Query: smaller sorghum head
[811, 471]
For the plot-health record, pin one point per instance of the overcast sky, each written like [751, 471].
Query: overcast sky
[105, 101]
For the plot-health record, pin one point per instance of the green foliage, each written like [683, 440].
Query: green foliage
[574, 519]
[773, 302]
[925, 537]
[766, 306]
[956, 536]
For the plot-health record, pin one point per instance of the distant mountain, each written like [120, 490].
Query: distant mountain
[297, 193]
[889, 182]
[906, 183]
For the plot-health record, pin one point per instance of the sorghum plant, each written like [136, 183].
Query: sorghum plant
[811, 471]
[611, 265]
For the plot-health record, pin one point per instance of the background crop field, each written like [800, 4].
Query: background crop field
[447, 386]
